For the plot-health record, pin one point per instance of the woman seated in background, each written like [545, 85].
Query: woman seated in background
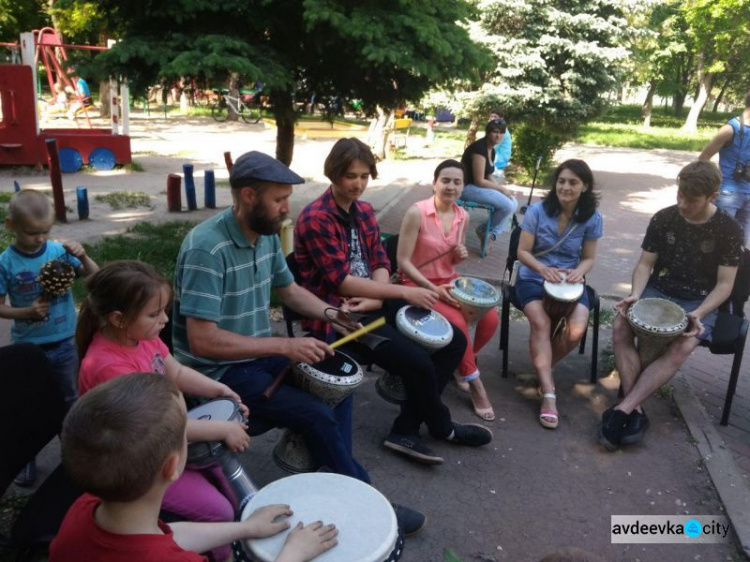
[430, 243]
[484, 188]
[558, 242]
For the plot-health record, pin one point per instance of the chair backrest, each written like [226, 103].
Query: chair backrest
[291, 316]
[31, 407]
[741, 289]
[515, 236]
[391, 249]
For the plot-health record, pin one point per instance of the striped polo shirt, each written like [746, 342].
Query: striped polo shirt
[223, 278]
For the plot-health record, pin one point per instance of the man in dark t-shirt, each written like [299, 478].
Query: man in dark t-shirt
[690, 256]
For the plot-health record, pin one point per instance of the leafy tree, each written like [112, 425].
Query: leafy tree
[382, 52]
[17, 17]
[554, 60]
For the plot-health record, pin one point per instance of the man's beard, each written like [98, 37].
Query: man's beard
[257, 220]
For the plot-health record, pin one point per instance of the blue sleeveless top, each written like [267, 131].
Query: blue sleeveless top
[738, 151]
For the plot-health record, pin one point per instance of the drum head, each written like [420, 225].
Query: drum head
[563, 291]
[427, 327]
[658, 317]
[365, 519]
[222, 409]
[339, 369]
[474, 291]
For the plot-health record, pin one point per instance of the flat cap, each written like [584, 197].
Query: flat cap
[256, 166]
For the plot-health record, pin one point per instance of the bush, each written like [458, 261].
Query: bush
[531, 142]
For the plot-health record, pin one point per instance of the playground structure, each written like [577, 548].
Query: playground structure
[22, 141]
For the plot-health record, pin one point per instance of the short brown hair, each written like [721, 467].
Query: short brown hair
[29, 203]
[343, 154]
[116, 438]
[699, 178]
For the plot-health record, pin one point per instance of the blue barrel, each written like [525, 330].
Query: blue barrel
[189, 187]
[209, 189]
[82, 195]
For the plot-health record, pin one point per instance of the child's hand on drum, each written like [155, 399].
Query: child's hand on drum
[235, 436]
[227, 392]
[622, 306]
[695, 326]
[263, 521]
[306, 542]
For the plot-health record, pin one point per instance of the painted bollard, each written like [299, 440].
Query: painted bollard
[16, 186]
[209, 189]
[189, 187]
[82, 195]
[174, 194]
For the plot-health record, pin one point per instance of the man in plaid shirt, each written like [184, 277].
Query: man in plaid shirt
[342, 261]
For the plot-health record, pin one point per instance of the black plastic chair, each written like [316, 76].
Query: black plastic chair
[730, 331]
[509, 297]
[31, 414]
[291, 316]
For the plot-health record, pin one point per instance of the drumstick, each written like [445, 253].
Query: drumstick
[279, 380]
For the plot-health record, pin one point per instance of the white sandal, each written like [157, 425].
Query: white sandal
[548, 418]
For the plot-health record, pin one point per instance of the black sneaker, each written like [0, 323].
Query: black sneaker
[612, 428]
[27, 476]
[410, 521]
[470, 434]
[412, 447]
[635, 428]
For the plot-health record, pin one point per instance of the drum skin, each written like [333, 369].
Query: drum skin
[428, 328]
[475, 297]
[560, 299]
[207, 453]
[657, 323]
[368, 530]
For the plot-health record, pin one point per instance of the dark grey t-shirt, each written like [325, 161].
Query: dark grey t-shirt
[689, 255]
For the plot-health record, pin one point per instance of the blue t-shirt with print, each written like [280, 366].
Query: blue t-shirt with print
[18, 280]
[544, 228]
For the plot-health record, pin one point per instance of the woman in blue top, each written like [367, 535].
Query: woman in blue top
[569, 212]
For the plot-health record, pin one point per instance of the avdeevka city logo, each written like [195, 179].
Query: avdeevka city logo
[693, 528]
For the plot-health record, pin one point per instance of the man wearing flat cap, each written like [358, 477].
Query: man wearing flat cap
[225, 271]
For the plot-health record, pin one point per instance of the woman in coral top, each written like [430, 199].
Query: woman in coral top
[430, 243]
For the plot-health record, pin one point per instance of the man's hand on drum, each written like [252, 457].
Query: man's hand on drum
[307, 542]
[551, 274]
[460, 253]
[235, 435]
[445, 295]
[360, 305]
[306, 350]
[622, 306]
[227, 392]
[419, 297]
[695, 326]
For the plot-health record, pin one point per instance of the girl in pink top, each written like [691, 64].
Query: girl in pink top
[117, 334]
[430, 243]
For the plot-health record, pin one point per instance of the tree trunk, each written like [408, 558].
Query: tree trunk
[721, 93]
[471, 134]
[381, 133]
[234, 91]
[648, 105]
[705, 81]
[678, 102]
[283, 111]
[104, 98]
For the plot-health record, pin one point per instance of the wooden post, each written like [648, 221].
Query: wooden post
[174, 193]
[228, 161]
[55, 178]
[192, 204]
[209, 189]
[82, 195]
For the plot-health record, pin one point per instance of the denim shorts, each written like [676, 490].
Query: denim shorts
[528, 290]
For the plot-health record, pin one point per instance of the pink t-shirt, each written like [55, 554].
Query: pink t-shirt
[432, 241]
[106, 359]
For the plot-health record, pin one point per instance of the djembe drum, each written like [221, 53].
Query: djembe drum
[428, 328]
[331, 380]
[56, 277]
[475, 297]
[559, 302]
[202, 454]
[657, 323]
[368, 530]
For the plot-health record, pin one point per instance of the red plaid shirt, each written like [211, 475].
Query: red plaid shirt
[321, 249]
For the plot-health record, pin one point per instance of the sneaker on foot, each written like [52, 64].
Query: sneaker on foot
[412, 447]
[635, 428]
[612, 428]
[410, 521]
[470, 434]
[27, 476]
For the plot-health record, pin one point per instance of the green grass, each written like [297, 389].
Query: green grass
[134, 167]
[125, 199]
[5, 196]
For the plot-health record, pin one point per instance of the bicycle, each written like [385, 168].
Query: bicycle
[245, 106]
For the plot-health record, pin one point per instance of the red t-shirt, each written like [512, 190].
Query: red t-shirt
[106, 360]
[80, 538]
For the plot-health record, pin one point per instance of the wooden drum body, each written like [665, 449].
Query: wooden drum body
[559, 302]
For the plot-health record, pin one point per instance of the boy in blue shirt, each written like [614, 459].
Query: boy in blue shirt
[48, 322]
